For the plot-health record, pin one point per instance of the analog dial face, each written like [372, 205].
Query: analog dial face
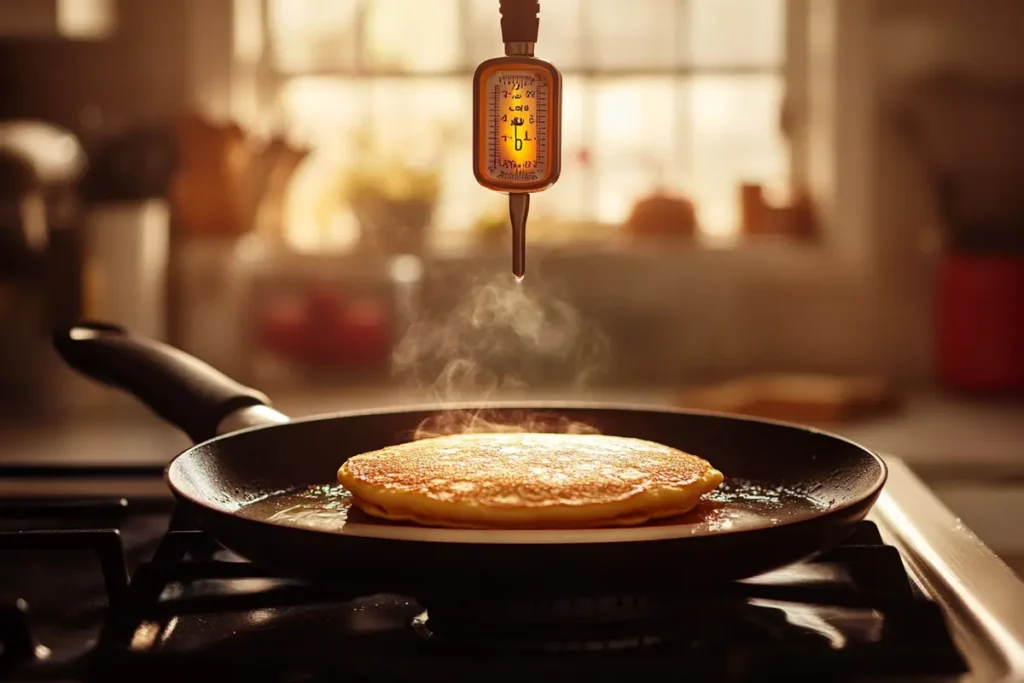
[518, 131]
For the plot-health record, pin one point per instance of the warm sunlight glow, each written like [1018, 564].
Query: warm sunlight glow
[683, 96]
[86, 19]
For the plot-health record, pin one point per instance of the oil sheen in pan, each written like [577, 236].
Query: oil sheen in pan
[735, 505]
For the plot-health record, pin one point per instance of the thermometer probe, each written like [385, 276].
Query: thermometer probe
[517, 120]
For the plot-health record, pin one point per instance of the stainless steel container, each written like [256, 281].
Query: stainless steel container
[126, 264]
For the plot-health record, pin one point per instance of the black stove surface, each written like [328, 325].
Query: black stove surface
[193, 612]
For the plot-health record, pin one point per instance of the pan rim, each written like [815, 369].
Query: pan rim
[637, 534]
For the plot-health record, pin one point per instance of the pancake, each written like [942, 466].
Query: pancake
[527, 481]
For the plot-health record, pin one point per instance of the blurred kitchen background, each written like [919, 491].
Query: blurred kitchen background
[807, 209]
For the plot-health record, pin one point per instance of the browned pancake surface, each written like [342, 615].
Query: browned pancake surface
[528, 480]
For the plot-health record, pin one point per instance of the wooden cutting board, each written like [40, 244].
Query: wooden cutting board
[812, 399]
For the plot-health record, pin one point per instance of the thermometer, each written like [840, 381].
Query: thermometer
[517, 120]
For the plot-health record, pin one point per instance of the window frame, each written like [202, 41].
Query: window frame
[825, 92]
[833, 281]
[257, 84]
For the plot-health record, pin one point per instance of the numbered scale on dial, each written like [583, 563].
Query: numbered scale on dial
[517, 127]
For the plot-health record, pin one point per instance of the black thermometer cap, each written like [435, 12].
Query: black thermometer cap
[520, 22]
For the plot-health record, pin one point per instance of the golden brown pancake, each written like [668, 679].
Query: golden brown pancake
[527, 481]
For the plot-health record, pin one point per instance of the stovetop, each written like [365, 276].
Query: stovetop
[191, 611]
[95, 589]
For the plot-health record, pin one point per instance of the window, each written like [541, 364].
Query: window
[681, 94]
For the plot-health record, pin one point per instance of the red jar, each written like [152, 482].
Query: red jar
[980, 323]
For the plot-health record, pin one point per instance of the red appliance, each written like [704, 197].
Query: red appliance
[980, 323]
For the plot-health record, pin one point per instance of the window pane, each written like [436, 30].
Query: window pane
[461, 201]
[736, 32]
[310, 35]
[633, 146]
[617, 188]
[425, 124]
[483, 32]
[416, 119]
[633, 116]
[735, 139]
[325, 114]
[558, 41]
[574, 98]
[634, 34]
[324, 110]
[413, 35]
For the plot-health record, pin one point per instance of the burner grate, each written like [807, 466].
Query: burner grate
[198, 613]
[32, 526]
[16, 642]
[103, 539]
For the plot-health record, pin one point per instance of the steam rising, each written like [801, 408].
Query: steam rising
[499, 339]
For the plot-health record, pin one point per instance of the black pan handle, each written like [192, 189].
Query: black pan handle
[178, 387]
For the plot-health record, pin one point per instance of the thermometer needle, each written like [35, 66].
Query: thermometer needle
[518, 210]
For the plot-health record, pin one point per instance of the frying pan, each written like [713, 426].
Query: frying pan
[829, 484]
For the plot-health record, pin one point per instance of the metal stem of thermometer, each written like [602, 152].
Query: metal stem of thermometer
[517, 120]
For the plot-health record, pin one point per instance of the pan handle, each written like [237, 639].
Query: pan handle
[178, 387]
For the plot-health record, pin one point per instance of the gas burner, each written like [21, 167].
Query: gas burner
[584, 624]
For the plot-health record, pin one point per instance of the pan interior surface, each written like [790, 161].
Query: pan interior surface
[776, 475]
[737, 505]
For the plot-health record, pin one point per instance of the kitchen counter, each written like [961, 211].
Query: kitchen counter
[941, 437]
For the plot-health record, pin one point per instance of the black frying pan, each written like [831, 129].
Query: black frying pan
[790, 492]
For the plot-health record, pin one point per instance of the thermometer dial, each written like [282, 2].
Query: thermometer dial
[517, 124]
